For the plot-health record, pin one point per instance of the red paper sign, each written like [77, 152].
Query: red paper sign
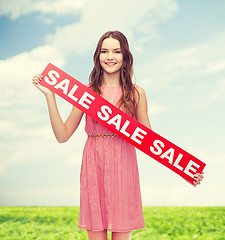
[146, 140]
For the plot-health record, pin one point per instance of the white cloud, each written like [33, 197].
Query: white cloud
[17, 72]
[38, 142]
[17, 68]
[15, 129]
[1, 170]
[180, 194]
[215, 66]
[162, 187]
[174, 65]
[154, 109]
[49, 195]
[20, 101]
[152, 13]
[130, 17]
[15, 8]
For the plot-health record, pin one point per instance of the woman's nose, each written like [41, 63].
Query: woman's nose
[110, 56]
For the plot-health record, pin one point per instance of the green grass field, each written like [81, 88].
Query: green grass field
[162, 223]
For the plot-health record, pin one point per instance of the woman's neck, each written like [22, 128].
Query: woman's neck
[111, 80]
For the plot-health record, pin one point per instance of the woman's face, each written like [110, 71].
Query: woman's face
[111, 57]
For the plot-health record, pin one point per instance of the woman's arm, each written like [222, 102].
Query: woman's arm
[142, 117]
[142, 108]
[63, 131]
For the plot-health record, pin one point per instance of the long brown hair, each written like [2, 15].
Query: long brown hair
[128, 100]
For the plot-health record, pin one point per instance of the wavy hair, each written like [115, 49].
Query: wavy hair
[127, 102]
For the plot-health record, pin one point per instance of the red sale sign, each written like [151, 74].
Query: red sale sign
[146, 140]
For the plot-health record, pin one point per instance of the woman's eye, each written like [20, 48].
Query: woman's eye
[118, 52]
[103, 51]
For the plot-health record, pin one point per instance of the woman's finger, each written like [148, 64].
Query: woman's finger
[37, 78]
[198, 178]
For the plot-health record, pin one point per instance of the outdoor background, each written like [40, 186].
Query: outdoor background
[178, 49]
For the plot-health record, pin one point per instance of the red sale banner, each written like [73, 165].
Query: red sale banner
[146, 140]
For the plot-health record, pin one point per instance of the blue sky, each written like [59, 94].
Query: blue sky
[178, 49]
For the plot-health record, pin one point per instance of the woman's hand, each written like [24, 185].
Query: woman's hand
[36, 81]
[198, 178]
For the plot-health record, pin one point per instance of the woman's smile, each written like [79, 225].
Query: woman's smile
[110, 63]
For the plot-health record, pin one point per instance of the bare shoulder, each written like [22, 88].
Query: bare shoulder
[142, 108]
[141, 91]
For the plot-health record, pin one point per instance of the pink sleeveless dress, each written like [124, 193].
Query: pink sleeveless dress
[110, 196]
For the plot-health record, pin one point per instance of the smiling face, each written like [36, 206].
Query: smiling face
[111, 57]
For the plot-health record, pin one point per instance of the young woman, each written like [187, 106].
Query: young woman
[110, 198]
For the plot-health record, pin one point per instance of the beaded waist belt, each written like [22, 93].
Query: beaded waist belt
[105, 135]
